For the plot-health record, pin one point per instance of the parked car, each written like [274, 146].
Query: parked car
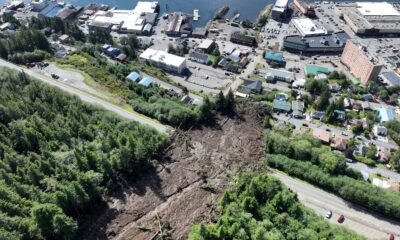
[340, 218]
[328, 214]
[391, 237]
[345, 133]
[328, 130]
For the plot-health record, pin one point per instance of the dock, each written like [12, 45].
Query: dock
[196, 15]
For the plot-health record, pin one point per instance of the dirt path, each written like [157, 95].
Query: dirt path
[185, 186]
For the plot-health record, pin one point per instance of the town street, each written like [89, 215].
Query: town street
[359, 219]
[91, 99]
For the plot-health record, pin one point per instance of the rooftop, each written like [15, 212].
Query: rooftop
[281, 105]
[385, 114]
[392, 78]
[161, 56]
[328, 41]
[206, 44]
[377, 9]
[321, 134]
[307, 27]
[315, 69]
[274, 56]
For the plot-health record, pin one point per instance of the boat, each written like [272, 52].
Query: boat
[221, 12]
[236, 17]
[196, 15]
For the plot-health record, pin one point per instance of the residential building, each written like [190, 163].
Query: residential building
[340, 143]
[206, 46]
[275, 58]
[391, 78]
[385, 114]
[298, 109]
[273, 75]
[379, 130]
[360, 63]
[328, 43]
[250, 86]
[121, 57]
[317, 115]
[241, 38]
[322, 135]
[164, 60]
[199, 57]
[281, 97]
[339, 115]
[364, 123]
[64, 39]
[383, 154]
[306, 27]
[279, 10]
[281, 106]
[299, 83]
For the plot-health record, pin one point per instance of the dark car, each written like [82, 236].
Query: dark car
[328, 130]
[340, 218]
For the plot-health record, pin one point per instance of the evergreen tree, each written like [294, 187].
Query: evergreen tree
[220, 102]
[229, 104]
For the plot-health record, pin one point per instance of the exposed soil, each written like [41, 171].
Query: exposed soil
[185, 185]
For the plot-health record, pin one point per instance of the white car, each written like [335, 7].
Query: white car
[328, 214]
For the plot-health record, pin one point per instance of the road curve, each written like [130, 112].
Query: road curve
[359, 219]
[90, 99]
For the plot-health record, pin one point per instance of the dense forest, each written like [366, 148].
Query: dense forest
[260, 207]
[304, 157]
[58, 155]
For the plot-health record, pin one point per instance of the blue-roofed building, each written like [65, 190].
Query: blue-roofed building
[51, 10]
[385, 114]
[134, 76]
[368, 97]
[146, 82]
[112, 52]
[274, 57]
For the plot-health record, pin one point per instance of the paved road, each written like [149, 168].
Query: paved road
[358, 219]
[299, 122]
[374, 170]
[90, 99]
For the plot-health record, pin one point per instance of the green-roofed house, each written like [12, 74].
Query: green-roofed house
[275, 58]
[339, 115]
[281, 106]
[316, 70]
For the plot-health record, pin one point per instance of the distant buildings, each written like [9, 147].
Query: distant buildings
[142, 17]
[279, 10]
[306, 7]
[330, 43]
[391, 78]
[164, 60]
[370, 18]
[241, 38]
[360, 64]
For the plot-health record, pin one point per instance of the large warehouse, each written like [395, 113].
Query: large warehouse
[279, 10]
[164, 60]
[370, 18]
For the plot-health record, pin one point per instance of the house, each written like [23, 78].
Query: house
[64, 39]
[121, 58]
[379, 130]
[364, 123]
[367, 106]
[112, 52]
[231, 68]
[275, 58]
[228, 49]
[317, 115]
[199, 57]
[133, 76]
[281, 96]
[368, 97]
[186, 99]
[223, 63]
[385, 114]
[235, 56]
[281, 106]
[250, 86]
[360, 150]
[339, 115]
[340, 143]
[243, 39]
[299, 83]
[298, 109]
[146, 81]
[356, 105]
[334, 87]
[322, 135]
[207, 46]
[383, 154]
